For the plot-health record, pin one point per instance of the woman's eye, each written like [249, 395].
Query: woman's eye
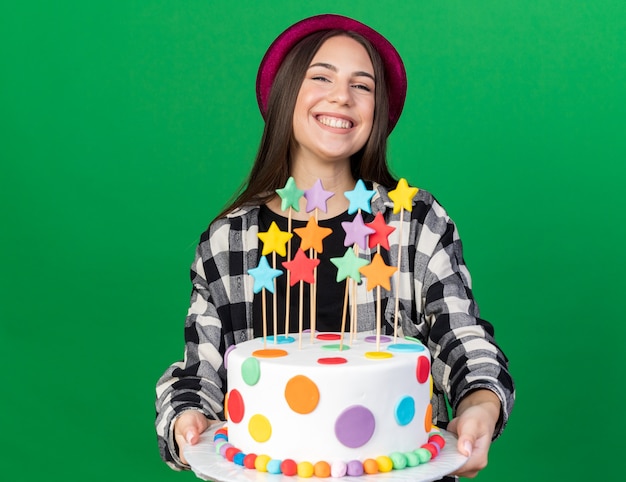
[321, 78]
[362, 87]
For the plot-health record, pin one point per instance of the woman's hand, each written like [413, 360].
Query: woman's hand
[474, 425]
[187, 429]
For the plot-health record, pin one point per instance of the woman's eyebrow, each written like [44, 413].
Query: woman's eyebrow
[358, 73]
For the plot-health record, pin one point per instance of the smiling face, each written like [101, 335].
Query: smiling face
[334, 110]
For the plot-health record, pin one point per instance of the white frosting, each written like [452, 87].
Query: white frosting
[379, 385]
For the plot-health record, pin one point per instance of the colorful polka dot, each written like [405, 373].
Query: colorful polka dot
[405, 347]
[302, 394]
[335, 347]
[355, 426]
[428, 418]
[269, 353]
[378, 355]
[328, 336]
[423, 369]
[260, 428]
[337, 360]
[226, 353]
[281, 339]
[405, 411]
[236, 407]
[251, 371]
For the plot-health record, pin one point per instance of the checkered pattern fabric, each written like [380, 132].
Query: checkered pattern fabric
[436, 305]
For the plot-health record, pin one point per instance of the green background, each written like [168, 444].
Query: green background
[126, 125]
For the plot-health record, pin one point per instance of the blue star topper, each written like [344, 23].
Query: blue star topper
[264, 276]
[359, 198]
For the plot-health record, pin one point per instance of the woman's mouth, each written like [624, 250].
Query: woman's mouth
[334, 122]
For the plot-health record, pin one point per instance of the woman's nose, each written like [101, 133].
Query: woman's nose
[340, 93]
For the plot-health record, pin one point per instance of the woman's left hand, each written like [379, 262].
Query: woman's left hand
[474, 426]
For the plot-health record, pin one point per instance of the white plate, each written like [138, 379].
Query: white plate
[209, 465]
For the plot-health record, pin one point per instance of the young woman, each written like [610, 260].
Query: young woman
[331, 90]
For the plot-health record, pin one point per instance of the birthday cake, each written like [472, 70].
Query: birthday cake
[331, 404]
[329, 407]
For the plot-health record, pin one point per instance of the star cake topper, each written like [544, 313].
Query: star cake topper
[316, 197]
[264, 276]
[381, 233]
[402, 196]
[301, 268]
[356, 232]
[359, 198]
[274, 240]
[313, 235]
[348, 266]
[378, 273]
[290, 195]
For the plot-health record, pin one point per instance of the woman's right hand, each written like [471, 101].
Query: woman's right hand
[187, 429]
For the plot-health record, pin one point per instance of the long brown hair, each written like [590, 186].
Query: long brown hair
[271, 166]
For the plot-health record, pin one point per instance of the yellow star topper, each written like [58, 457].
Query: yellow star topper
[274, 240]
[402, 196]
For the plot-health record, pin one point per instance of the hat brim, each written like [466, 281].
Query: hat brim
[273, 58]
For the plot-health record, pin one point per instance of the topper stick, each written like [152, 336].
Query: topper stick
[288, 294]
[378, 318]
[300, 315]
[274, 306]
[397, 301]
[353, 323]
[378, 302]
[344, 313]
[264, 308]
[313, 287]
[312, 295]
[402, 197]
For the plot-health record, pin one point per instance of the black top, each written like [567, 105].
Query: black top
[330, 293]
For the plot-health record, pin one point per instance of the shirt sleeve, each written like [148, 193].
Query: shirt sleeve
[196, 382]
[465, 354]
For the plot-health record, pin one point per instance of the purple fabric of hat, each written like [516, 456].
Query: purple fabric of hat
[394, 68]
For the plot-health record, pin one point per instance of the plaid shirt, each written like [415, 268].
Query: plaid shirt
[435, 305]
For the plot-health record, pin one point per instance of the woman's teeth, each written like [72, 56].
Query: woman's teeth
[334, 122]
